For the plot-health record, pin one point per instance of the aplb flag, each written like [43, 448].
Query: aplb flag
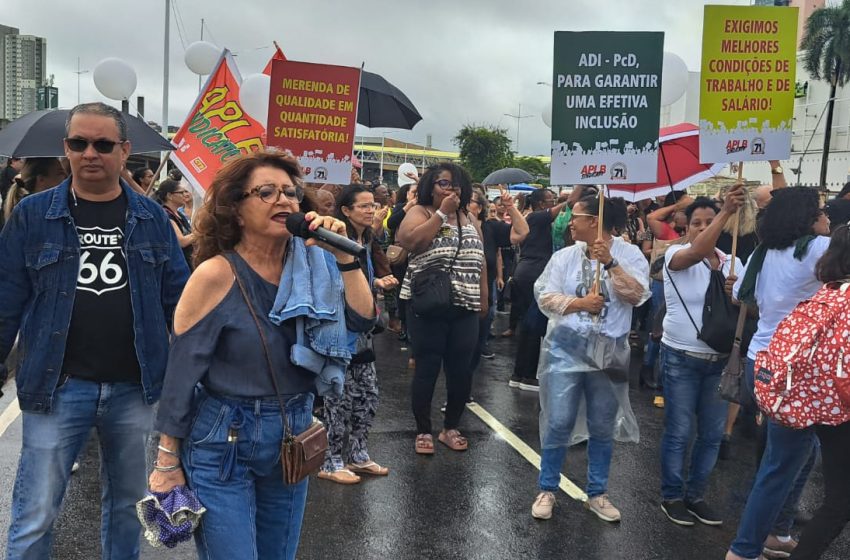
[217, 128]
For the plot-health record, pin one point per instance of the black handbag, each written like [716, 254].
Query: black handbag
[730, 387]
[719, 316]
[431, 289]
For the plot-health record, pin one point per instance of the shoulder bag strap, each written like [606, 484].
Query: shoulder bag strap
[287, 431]
[670, 276]
[739, 328]
[459, 241]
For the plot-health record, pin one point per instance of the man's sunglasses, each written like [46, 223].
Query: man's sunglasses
[100, 146]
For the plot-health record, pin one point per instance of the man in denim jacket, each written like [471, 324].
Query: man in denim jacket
[92, 272]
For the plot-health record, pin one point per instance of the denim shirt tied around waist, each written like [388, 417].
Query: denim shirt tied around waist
[311, 291]
[40, 255]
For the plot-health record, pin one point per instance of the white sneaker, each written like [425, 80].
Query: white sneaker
[75, 467]
[603, 508]
[542, 506]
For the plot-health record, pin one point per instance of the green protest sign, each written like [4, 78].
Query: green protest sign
[606, 101]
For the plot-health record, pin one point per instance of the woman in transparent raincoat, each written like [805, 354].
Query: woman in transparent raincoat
[584, 362]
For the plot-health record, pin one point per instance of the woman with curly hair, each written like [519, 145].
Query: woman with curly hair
[220, 420]
[779, 275]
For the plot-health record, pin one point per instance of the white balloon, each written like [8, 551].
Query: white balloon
[674, 79]
[254, 97]
[201, 57]
[114, 78]
[547, 114]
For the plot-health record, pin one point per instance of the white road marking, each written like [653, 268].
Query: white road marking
[9, 415]
[523, 449]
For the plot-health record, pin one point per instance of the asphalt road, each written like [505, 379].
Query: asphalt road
[473, 505]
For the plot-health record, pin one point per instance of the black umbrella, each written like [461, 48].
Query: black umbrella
[382, 105]
[508, 176]
[40, 134]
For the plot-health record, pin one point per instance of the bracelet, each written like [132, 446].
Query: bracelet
[166, 450]
[353, 265]
[443, 216]
[170, 468]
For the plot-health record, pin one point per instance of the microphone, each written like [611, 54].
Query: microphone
[298, 226]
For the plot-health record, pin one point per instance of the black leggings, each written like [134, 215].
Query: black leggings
[447, 340]
[834, 514]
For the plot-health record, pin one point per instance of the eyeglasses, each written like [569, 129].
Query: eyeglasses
[445, 184]
[100, 146]
[364, 206]
[575, 215]
[270, 194]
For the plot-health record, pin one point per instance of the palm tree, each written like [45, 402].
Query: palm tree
[827, 57]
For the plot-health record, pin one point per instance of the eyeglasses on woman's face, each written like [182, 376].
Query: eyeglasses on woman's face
[447, 185]
[270, 194]
[366, 206]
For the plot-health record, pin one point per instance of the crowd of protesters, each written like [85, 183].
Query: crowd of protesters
[240, 354]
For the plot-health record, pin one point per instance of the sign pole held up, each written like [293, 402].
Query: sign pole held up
[600, 229]
[737, 223]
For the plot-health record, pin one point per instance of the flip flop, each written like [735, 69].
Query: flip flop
[453, 440]
[342, 476]
[369, 467]
[425, 444]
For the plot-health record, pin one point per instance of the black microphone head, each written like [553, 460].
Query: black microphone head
[297, 225]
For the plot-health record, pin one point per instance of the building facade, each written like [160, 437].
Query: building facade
[24, 60]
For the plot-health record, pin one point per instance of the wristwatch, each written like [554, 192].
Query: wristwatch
[777, 170]
[443, 216]
[611, 264]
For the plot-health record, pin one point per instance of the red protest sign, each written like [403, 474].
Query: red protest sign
[216, 129]
[312, 113]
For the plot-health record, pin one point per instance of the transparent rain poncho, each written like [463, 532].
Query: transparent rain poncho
[581, 342]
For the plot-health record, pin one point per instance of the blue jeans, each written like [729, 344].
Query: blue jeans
[250, 513]
[690, 394]
[51, 443]
[779, 482]
[652, 347]
[563, 392]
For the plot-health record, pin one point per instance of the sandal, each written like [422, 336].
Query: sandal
[369, 467]
[342, 476]
[425, 444]
[453, 440]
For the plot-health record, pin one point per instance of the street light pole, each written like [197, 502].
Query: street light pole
[164, 155]
[78, 72]
[519, 116]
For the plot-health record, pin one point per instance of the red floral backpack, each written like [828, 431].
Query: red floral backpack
[802, 378]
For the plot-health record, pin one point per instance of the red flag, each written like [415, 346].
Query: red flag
[216, 129]
[278, 55]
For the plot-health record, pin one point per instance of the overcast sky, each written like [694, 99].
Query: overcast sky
[459, 61]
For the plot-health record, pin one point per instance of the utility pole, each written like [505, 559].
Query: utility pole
[164, 172]
[202, 38]
[519, 116]
[78, 72]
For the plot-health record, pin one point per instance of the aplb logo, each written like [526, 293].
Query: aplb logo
[619, 172]
[758, 147]
[735, 146]
[589, 171]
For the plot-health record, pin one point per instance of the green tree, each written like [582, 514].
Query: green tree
[827, 57]
[533, 165]
[483, 149]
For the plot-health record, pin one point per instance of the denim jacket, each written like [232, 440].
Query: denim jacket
[40, 256]
[311, 291]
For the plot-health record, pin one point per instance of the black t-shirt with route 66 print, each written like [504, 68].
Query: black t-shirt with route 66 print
[101, 340]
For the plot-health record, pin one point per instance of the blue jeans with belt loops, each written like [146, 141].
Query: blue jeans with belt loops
[779, 482]
[251, 513]
[51, 443]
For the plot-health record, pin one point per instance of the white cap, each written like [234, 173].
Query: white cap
[403, 170]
